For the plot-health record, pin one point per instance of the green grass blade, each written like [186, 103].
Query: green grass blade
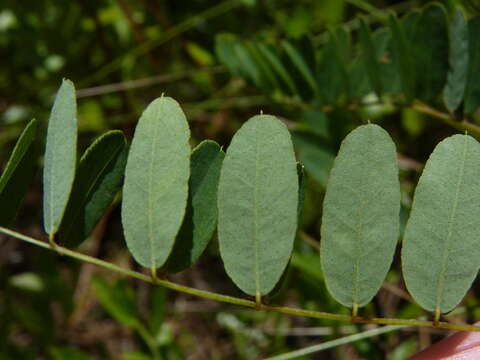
[156, 182]
[441, 245]
[60, 157]
[257, 205]
[18, 174]
[458, 60]
[98, 180]
[200, 219]
[361, 216]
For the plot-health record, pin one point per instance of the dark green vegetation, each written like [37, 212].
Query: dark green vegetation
[407, 70]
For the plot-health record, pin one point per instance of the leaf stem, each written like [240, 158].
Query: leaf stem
[234, 300]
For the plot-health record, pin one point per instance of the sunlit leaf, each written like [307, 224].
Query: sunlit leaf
[441, 244]
[156, 182]
[60, 157]
[258, 187]
[360, 223]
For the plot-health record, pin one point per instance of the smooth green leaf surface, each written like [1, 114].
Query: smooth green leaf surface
[472, 93]
[441, 246]
[18, 174]
[97, 181]
[60, 157]
[370, 57]
[201, 215]
[458, 62]
[156, 182]
[257, 204]
[361, 216]
[430, 52]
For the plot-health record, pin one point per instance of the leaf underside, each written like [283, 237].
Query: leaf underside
[60, 157]
[441, 246]
[360, 223]
[257, 205]
[156, 182]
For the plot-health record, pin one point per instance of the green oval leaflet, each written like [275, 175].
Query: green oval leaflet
[441, 246]
[156, 182]
[97, 181]
[458, 61]
[60, 157]
[361, 216]
[18, 174]
[258, 188]
[200, 219]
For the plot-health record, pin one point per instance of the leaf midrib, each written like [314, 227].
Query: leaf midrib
[255, 224]
[150, 195]
[446, 247]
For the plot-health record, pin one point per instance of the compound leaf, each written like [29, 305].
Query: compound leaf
[156, 182]
[257, 205]
[18, 174]
[201, 215]
[441, 244]
[60, 157]
[361, 216]
[98, 179]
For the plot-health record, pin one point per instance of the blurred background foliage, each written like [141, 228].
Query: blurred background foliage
[122, 54]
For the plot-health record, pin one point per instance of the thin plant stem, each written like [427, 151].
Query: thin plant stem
[235, 300]
[337, 342]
